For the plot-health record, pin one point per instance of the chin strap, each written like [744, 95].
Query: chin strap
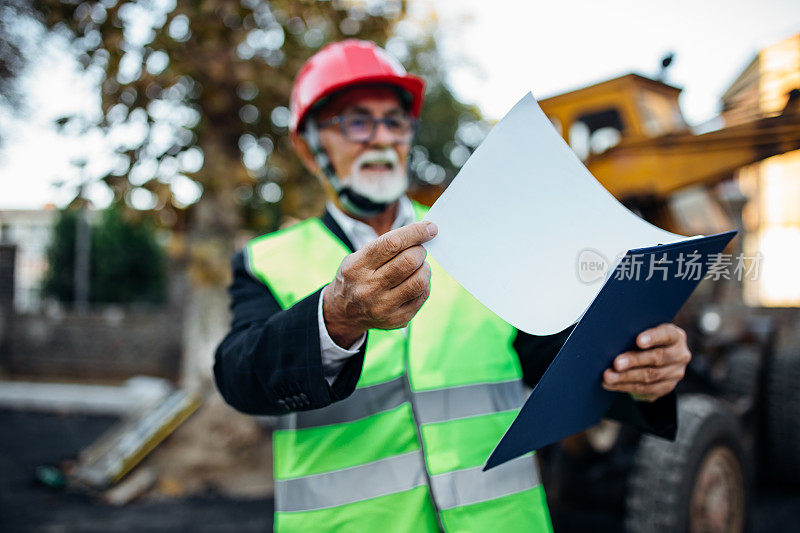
[352, 201]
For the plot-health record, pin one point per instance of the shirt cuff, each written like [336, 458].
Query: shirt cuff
[333, 356]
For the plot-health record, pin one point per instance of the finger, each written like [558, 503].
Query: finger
[410, 308]
[661, 356]
[401, 266]
[392, 243]
[644, 375]
[662, 335]
[650, 392]
[416, 284]
[406, 311]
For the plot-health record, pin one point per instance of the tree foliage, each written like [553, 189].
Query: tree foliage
[127, 264]
[11, 44]
[60, 276]
[12, 53]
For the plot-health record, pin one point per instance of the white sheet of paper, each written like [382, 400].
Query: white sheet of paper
[523, 222]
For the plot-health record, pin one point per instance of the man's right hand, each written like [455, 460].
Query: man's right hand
[381, 286]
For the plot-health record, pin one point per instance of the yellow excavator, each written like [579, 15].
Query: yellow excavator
[633, 138]
[657, 154]
[739, 406]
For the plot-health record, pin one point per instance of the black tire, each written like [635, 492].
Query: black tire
[783, 417]
[665, 474]
[742, 368]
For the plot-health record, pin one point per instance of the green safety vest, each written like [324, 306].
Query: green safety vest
[405, 451]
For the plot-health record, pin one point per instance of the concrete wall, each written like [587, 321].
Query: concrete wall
[108, 344]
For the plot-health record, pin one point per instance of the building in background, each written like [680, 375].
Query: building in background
[30, 230]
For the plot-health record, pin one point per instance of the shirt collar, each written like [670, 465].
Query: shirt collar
[359, 233]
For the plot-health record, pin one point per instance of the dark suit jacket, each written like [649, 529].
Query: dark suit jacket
[270, 362]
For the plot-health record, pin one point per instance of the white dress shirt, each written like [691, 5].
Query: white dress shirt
[360, 234]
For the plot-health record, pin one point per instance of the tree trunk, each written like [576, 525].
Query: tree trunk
[205, 322]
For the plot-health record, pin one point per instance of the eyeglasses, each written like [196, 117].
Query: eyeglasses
[362, 128]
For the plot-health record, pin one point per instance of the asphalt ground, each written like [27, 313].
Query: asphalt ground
[29, 440]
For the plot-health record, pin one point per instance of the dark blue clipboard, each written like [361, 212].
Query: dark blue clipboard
[569, 397]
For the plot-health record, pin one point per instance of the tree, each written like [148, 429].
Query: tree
[449, 130]
[208, 83]
[60, 275]
[127, 264]
[12, 57]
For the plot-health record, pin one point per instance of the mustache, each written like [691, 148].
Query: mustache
[385, 156]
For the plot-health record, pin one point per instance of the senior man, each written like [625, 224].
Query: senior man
[393, 383]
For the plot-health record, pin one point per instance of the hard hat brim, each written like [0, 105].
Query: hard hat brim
[413, 85]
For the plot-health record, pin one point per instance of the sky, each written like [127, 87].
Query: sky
[552, 47]
[33, 155]
[498, 51]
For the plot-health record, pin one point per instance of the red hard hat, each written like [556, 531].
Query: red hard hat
[345, 63]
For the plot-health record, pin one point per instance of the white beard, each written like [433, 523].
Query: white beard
[379, 186]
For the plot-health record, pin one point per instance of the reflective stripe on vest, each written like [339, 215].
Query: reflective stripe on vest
[429, 407]
[432, 406]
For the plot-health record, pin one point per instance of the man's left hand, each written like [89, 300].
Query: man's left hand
[653, 371]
